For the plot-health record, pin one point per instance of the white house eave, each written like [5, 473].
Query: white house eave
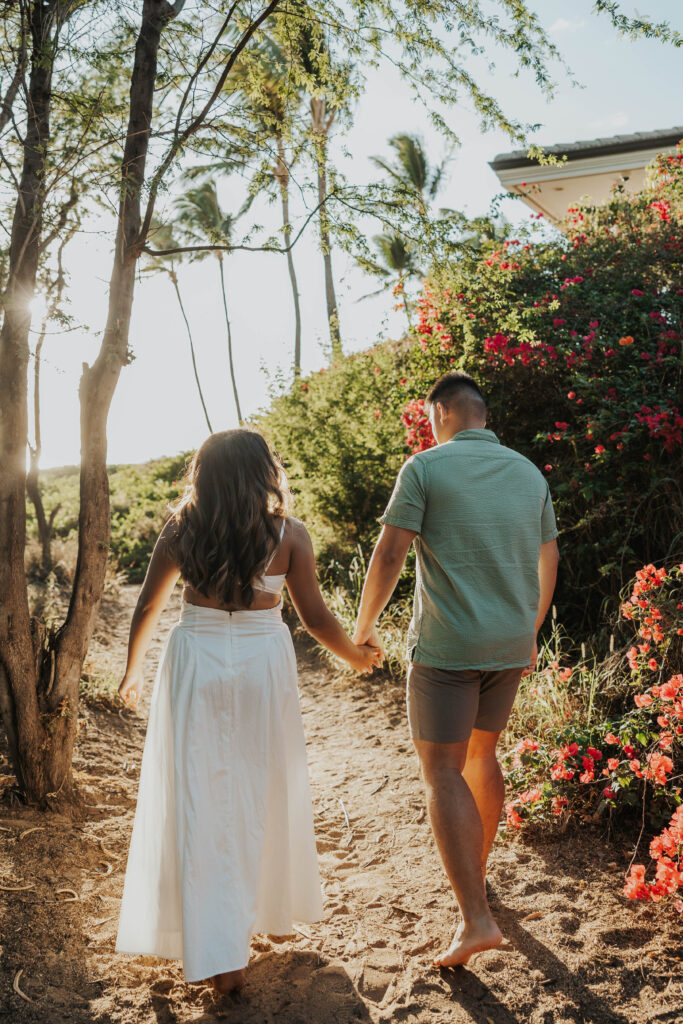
[611, 163]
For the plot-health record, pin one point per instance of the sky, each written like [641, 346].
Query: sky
[625, 87]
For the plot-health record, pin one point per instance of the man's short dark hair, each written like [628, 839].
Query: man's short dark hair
[454, 386]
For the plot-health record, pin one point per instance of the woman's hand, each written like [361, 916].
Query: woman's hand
[131, 688]
[370, 637]
[364, 658]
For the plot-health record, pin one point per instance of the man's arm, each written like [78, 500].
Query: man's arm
[383, 573]
[547, 577]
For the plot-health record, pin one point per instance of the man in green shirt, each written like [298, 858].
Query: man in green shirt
[482, 521]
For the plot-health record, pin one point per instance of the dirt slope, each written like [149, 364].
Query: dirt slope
[575, 950]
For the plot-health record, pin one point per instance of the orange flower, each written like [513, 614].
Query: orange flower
[628, 340]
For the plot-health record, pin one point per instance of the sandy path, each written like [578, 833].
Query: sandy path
[575, 950]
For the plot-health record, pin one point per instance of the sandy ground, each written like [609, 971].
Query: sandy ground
[575, 950]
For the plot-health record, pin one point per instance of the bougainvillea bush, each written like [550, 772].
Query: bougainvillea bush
[628, 765]
[577, 342]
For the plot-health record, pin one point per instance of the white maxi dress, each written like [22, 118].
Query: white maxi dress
[223, 843]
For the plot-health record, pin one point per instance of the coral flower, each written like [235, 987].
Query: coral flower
[628, 340]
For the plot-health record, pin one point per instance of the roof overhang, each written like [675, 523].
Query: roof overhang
[590, 170]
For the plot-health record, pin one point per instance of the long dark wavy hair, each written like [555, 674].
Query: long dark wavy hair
[225, 527]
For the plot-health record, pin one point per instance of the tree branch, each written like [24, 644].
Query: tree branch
[178, 143]
[13, 89]
[241, 248]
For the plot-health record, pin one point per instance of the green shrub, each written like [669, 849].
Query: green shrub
[340, 437]
[139, 497]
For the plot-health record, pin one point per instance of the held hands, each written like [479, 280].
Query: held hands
[369, 639]
[131, 689]
[364, 658]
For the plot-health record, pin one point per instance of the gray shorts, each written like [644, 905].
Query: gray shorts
[445, 705]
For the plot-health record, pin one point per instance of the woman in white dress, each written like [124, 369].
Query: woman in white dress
[223, 843]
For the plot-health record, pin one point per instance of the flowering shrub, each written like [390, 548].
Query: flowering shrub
[419, 436]
[576, 341]
[628, 763]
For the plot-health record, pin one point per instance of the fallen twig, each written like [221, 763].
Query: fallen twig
[27, 832]
[106, 852]
[16, 888]
[381, 785]
[15, 986]
[302, 931]
[346, 817]
[108, 865]
[72, 899]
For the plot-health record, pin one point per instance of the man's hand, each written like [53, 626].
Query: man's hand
[366, 659]
[531, 667]
[371, 638]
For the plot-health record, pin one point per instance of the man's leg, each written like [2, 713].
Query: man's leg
[459, 837]
[483, 776]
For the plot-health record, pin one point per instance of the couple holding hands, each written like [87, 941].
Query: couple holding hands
[223, 845]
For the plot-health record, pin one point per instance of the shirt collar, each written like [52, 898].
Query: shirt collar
[475, 434]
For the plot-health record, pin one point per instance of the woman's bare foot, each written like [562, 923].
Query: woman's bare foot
[482, 933]
[229, 981]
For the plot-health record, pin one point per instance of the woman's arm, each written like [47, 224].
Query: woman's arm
[316, 617]
[162, 576]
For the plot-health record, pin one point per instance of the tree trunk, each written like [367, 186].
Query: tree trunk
[230, 360]
[321, 124]
[20, 646]
[282, 176]
[97, 389]
[40, 668]
[32, 483]
[174, 280]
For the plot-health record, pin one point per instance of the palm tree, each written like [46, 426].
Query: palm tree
[162, 237]
[412, 170]
[480, 230]
[315, 61]
[202, 221]
[397, 259]
[271, 96]
[268, 97]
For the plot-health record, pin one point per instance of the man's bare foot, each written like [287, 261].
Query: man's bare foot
[479, 935]
[229, 981]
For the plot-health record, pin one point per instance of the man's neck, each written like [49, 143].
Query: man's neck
[464, 426]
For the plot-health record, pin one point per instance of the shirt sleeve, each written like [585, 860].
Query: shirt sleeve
[549, 529]
[407, 504]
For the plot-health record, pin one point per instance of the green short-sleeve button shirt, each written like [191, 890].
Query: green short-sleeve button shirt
[481, 512]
